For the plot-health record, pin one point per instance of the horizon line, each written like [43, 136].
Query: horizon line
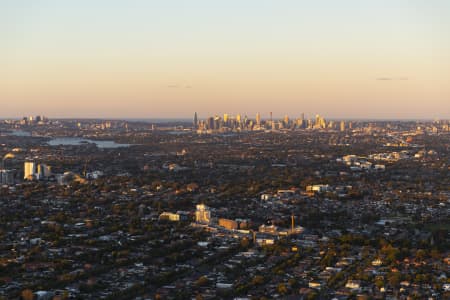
[262, 118]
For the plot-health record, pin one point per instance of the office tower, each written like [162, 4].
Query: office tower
[258, 119]
[39, 172]
[217, 123]
[43, 171]
[320, 122]
[225, 118]
[272, 124]
[342, 125]
[286, 120]
[210, 123]
[29, 170]
[195, 121]
[303, 123]
[317, 123]
[202, 214]
[6, 177]
[238, 119]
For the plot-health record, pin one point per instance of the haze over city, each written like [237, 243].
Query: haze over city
[167, 59]
[238, 149]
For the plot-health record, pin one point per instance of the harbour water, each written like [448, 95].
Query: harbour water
[73, 141]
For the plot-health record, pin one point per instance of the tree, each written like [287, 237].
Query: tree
[245, 243]
[394, 279]
[257, 280]
[27, 294]
[282, 289]
[312, 296]
[202, 281]
[421, 254]
[379, 283]
[199, 297]
[292, 282]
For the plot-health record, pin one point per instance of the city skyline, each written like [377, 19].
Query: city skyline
[262, 116]
[155, 59]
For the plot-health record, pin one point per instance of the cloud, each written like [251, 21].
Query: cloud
[178, 86]
[391, 78]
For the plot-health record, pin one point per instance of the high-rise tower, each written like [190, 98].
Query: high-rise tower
[342, 125]
[286, 120]
[272, 123]
[225, 118]
[202, 214]
[29, 170]
[195, 121]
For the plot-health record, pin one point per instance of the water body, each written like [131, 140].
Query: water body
[179, 132]
[18, 133]
[73, 141]
[162, 120]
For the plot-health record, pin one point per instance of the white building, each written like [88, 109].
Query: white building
[202, 214]
[377, 262]
[314, 285]
[353, 284]
[29, 170]
[380, 167]
[167, 216]
[44, 171]
[318, 188]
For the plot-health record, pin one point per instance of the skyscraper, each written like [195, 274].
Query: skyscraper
[43, 171]
[195, 121]
[286, 120]
[210, 123]
[29, 170]
[320, 122]
[342, 125]
[202, 214]
[272, 124]
[258, 119]
[217, 123]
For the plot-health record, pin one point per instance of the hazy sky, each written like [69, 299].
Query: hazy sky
[169, 58]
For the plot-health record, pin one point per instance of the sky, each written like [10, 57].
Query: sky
[383, 59]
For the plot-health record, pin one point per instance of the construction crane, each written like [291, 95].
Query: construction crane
[85, 167]
[292, 223]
